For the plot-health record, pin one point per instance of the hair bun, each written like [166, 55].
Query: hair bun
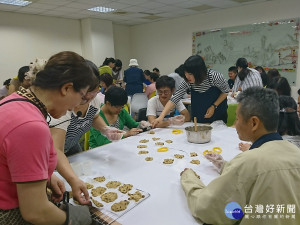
[35, 67]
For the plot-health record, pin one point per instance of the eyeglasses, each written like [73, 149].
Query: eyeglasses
[87, 96]
[83, 97]
[166, 92]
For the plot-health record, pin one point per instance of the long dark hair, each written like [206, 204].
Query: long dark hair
[107, 61]
[281, 85]
[273, 73]
[118, 63]
[196, 66]
[243, 63]
[263, 74]
[288, 118]
[22, 73]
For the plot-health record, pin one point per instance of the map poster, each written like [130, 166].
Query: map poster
[268, 44]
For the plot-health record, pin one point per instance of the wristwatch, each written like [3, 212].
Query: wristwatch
[214, 105]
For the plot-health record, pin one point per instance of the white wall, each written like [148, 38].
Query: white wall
[167, 44]
[102, 40]
[122, 44]
[25, 37]
[86, 39]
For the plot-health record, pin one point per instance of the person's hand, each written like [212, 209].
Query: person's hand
[77, 215]
[80, 191]
[177, 120]
[155, 122]
[143, 124]
[57, 187]
[216, 159]
[210, 112]
[112, 133]
[184, 170]
[244, 146]
[132, 132]
[191, 170]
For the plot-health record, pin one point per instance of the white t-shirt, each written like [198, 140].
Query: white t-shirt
[155, 107]
[101, 97]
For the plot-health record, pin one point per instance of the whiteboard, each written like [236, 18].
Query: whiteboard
[267, 44]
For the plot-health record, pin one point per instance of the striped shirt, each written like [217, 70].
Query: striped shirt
[77, 127]
[213, 79]
[251, 80]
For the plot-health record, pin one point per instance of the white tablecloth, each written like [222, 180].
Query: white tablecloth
[167, 203]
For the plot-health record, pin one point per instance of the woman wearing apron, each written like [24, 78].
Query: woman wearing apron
[209, 91]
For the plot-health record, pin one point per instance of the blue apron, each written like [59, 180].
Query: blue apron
[200, 102]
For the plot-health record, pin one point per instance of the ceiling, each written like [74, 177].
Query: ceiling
[128, 12]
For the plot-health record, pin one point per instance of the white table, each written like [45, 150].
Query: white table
[167, 203]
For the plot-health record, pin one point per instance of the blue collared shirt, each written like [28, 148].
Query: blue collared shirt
[265, 138]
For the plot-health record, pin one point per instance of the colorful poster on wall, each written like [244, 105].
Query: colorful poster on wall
[267, 44]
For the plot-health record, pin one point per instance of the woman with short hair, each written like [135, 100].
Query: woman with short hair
[115, 116]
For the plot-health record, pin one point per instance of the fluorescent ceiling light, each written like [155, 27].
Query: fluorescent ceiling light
[101, 9]
[15, 2]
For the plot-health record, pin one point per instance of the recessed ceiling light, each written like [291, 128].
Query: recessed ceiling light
[101, 9]
[15, 2]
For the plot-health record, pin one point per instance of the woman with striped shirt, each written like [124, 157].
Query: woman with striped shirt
[208, 92]
[68, 129]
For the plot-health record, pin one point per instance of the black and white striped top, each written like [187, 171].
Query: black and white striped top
[213, 79]
[77, 127]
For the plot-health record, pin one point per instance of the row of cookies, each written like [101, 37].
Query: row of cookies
[116, 200]
[170, 160]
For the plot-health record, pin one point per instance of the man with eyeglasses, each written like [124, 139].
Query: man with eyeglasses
[165, 87]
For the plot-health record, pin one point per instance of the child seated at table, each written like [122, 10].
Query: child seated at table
[116, 116]
[165, 87]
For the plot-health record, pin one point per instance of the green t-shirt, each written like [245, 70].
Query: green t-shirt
[97, 139]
